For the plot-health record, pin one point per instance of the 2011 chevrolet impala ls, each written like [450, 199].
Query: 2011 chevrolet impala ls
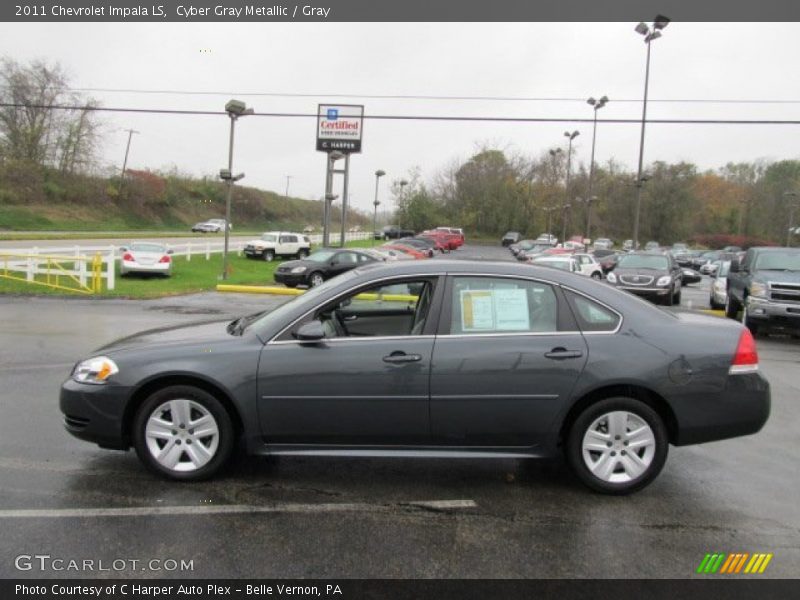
[434, 359]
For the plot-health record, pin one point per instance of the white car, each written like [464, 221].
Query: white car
[603, 244]
[211, 226]
[145, 257]
[278, 243]
[564, 262]
[588, 265]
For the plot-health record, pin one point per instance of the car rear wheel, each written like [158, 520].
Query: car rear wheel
[316, 279]
[183, 432]
[302, 253]
[617, 446]
[269, 255]
[597, 275]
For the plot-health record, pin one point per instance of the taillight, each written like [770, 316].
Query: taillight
[745, 360]
[127, 256]
[164, 259]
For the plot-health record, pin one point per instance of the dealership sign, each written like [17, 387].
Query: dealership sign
[339, 127]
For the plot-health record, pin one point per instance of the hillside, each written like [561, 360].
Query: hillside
[39, 198]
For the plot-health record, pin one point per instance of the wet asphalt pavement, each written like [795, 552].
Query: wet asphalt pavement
[361, 517]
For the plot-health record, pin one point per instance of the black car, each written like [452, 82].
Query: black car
[393, 232]
[653, 275]
[321, 265]
[511, 237]
[429, 359]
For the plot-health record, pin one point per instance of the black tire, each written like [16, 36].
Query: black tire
[302, 253]
[714, 304]
[677, 298]
[731, 307]
[226, 434]
[574, 445]
[268, 255]
[749, 323]
[596, 275]
[316, 278]
[668, 299]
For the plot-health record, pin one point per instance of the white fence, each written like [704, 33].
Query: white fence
[36, 261]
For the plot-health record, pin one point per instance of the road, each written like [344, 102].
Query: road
[390, 518]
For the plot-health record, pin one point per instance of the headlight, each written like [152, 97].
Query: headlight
[665, 280]
[297, 270]
[611, 278]
[95, 370]
[758, 289]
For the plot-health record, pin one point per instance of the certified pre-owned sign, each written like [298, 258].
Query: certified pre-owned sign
[339, 127]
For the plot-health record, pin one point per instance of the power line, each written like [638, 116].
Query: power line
[166, 111]
[427, 97]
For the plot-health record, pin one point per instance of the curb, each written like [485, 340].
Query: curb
[259, 289]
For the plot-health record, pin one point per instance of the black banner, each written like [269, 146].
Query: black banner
[344, 589]
[405, 11]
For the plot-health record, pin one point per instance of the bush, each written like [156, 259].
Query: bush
[718, 241]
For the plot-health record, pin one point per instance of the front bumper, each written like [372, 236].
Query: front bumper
[95, 413]
[254, 252]
[290, 278]
[783, 314]
[648, 292]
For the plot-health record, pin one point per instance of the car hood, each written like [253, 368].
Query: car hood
[780, 276]
[198, 332]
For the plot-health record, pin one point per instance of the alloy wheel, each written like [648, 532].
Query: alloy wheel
[182, 435]
[618, 447]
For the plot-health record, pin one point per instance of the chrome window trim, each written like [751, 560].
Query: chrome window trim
[305, 314]
[365, 338]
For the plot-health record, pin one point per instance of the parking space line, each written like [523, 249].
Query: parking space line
[222, 509]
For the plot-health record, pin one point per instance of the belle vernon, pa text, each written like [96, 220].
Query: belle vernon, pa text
[167, 591]
[185, 11]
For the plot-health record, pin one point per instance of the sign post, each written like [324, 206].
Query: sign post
[339, 129]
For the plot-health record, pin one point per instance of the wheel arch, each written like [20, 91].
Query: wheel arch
[153, 385]
[628, 390]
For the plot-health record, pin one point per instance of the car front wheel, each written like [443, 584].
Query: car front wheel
[617, 446]
[731, 307]
[268, 255]
[182, 432]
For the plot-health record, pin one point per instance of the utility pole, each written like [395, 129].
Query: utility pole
[286, 195]
[125, 162]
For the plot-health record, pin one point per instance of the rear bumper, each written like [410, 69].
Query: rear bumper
[134, 267]
[741, 409]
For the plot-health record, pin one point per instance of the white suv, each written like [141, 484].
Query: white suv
[278, 243]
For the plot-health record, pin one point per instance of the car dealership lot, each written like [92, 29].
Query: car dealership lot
[303, 517]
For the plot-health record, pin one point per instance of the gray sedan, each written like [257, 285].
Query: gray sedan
[429, 358]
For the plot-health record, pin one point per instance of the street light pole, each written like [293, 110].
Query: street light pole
[378, 174]
[235, 109]
[660, 23]
[286, 195]
[402, 183]
[792, 195]
[596, 105]
[571, 136]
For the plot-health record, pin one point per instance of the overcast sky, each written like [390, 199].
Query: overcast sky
[736, 61]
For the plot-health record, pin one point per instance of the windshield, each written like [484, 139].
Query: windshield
[778, 261]
[269, 237]
[643, 261]
[138, 247]
[320, 256]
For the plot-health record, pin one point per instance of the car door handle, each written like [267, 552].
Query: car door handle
[402, 357]
[561, 353]
[350, 318]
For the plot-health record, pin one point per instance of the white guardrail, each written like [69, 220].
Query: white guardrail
[36, 261]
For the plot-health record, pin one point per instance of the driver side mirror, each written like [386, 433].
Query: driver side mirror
[310, 332]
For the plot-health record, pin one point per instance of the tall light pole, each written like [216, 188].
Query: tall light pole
[588, 202]
[659, 24]
[378, 174]
[402, 183]
[571, 136]
[125, 162]
[596, 105]
[549, 210]
[791, 195]
[235, 109]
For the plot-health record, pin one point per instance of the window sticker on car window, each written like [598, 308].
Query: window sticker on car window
[504, 309]
[511, 308]
[477, 310]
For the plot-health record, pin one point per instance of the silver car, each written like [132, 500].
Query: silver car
[719, 285]
[145, 257]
